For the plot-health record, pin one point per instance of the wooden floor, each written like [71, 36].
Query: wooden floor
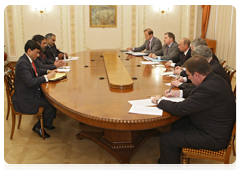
[62, 147]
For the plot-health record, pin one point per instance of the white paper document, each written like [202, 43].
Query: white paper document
[168, 84]
[149, 62]
[139, 54]
[146, 110]
[167, 73]
[173, 99]
[71, 58]
[142, 102]
[63, 69]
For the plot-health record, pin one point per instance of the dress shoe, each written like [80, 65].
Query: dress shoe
[50, 127]
[39, 132]
[159, 160]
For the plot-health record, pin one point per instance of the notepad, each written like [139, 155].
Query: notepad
[146, 110]
[58, 76]
[149, 62]
[142, 102]
[63, 69]
[139, 54]
[71, 58]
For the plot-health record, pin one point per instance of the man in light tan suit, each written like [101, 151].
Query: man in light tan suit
[169, 49]
[151, 45]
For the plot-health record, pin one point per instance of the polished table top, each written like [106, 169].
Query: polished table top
[88, 99]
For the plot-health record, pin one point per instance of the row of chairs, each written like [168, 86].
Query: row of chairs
[9, 79]
[221, 155]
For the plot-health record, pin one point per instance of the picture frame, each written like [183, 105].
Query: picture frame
[103, 15]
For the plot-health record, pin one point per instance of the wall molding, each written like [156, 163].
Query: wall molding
[11, 30]
[133, 25]
[180, 26]
[122, 25]
[144, 21]
[22, 22]
[73, 28]
[192, 22]
[84, 29]
[61, 25]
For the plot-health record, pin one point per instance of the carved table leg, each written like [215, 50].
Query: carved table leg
[121, 144]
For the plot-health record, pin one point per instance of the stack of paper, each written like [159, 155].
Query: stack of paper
[149, 62]
[167, 73]
[139, 54]
[155, 59]
[71, 58]
[63, 69]
[146, 110]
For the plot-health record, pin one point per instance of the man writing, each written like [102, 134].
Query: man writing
[169, 49]
[42, 61]
[51, 50]
[28, 97]
[151, 45]
[208, 113]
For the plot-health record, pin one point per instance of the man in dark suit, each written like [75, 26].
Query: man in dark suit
[151, 45]
[184, 55]
[42, 61]
[28, 97]
[208, 113]
[206, 52]
[51, 50]
[169, 49]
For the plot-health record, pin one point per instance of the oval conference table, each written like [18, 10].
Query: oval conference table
[88, 99]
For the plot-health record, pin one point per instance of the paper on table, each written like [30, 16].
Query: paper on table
[146, 110]
[167, 73]
[173, 99]
[146, 57]
[63, 67]
[149, 62]
[71, 58]
[155, 59]
[63, 70]
[139, 54]
[58, 75]
[168, 84]
[142, 102]
[160, 66]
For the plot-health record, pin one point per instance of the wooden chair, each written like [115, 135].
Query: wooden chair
[221, 155]
[212, 44]
[9, 83]
[222, 62]
[230, 71]
[8, 66]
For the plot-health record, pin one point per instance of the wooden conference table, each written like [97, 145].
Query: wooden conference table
[90, 100]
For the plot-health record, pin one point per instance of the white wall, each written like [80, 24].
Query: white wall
[57, 19]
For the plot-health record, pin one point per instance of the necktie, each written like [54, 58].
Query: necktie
[183, 57]
[148, 45]
[34, 68]
[167, 50]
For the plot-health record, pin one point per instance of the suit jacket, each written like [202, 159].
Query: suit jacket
[172, 51]
[214, 57]
[52, 52]
[45, 63]
[155, 46]
[26, 97]
[210, 107]
[179, 58]
[216, 68]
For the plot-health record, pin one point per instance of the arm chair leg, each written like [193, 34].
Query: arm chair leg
[13, 125]
[19, 121]
[42, 126]
[233, 146]
[184, 159]
[8, 108]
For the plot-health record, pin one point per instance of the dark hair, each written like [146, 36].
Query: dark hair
[186, 41]
[198, 64]
[38, 38]
[31, 44]
[170, 35]
[49, 35]
[149, 30]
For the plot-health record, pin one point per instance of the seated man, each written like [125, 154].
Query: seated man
[42, 61]
[152, 44]
[184, 55]
[169, 49]
[206, 52]
[208, 113]
[51, 50]
[28, 97]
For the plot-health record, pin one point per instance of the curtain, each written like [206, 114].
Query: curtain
[205, 18]
[211, 23]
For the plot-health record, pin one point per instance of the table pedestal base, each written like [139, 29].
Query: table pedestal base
[121, 144]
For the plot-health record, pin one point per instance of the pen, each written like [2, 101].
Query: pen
[170, 89]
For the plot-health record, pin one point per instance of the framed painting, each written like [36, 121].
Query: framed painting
[103, 15]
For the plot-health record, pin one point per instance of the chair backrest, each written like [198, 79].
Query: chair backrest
[222, 62]
[212, 44]
[9, 80]
[230, 71]
[9, 66]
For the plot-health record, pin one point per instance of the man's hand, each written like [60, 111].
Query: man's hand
[172, 93]
[155, 99]
[154, 56]
[129, 48]
[59, 63]
[51, 74]
[150, 55]
[180, 79]
[168, 64]
[175, 83]
[60, 56]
